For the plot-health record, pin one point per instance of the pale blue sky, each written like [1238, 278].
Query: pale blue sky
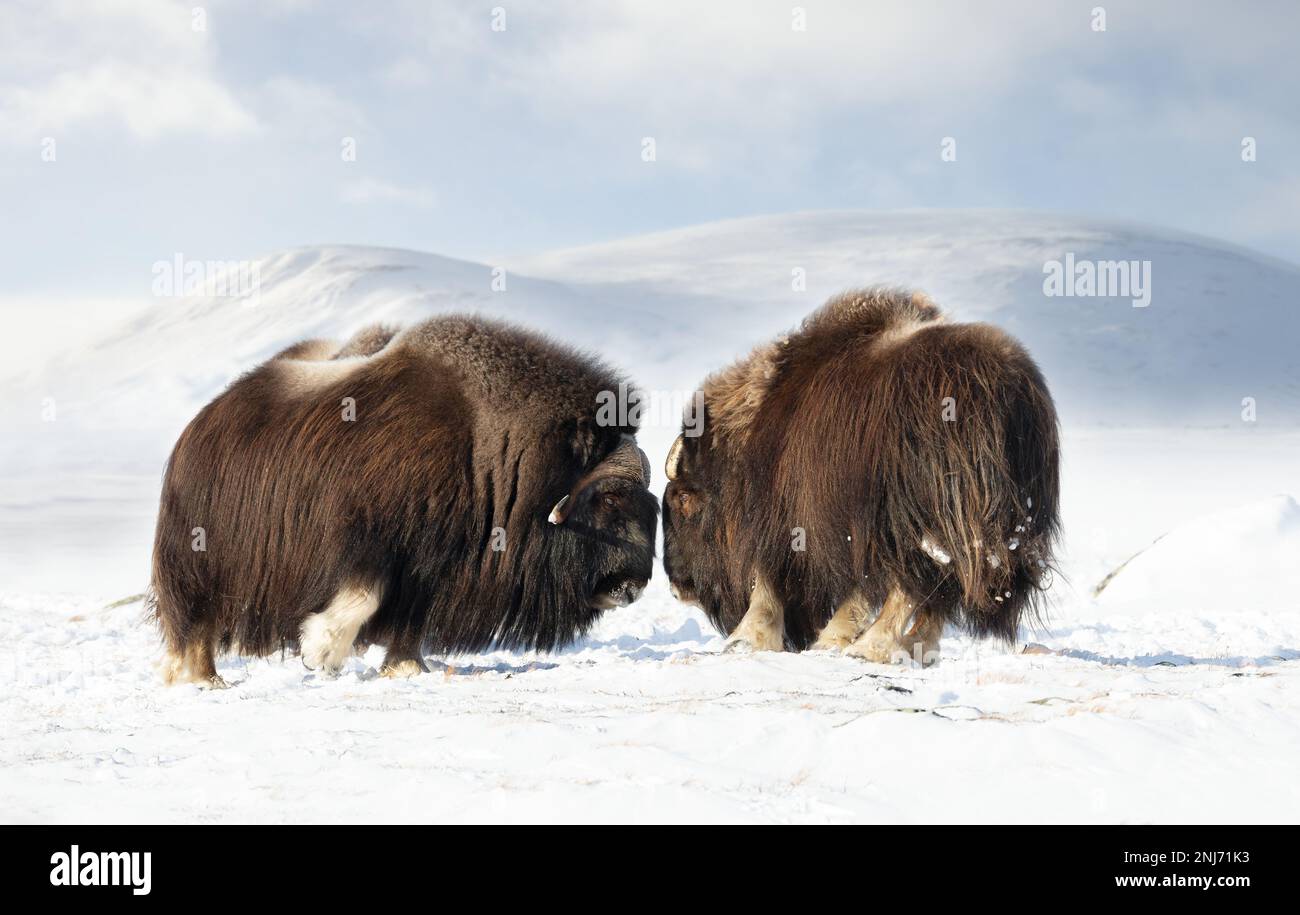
[225, 143]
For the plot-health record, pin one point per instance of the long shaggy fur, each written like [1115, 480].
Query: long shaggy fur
[462, 426]
[840, 430]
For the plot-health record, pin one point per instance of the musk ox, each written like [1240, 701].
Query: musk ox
[448, 488]
[878, 462]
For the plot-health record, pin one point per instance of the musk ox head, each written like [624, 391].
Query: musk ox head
[696, 536]
[606, 525]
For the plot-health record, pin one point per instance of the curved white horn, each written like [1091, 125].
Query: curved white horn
[627, 461]
[674, 458]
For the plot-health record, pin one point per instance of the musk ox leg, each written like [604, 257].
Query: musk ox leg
[922, 641]
[194, 663]
[403, 661]
[326, 637]
[763, 626]
[889, 640]
[846, 625]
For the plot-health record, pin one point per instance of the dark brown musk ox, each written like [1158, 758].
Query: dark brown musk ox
[447, 488]
[862, 482]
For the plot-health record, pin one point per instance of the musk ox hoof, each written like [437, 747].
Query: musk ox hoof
[403, 670]
[751, 644]
[820, 647]
[195, 665]
[316, 664]
[887, 651]
[831, 642]
[878, 648]
[327, 667]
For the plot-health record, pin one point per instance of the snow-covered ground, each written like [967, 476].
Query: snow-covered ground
[1172, 694]
[1157, 719]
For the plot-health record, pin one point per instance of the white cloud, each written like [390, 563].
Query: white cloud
[410, 72]
[308, 109]
[701, 73]
[375, 190]
[139, 65]
[148, 106]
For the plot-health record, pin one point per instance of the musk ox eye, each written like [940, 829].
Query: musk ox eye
[610, 501]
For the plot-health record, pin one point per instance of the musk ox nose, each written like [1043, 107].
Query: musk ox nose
[618, 595]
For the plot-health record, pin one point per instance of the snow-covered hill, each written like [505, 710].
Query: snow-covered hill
[1222, 324]
[1245, 558]
[1181, 673]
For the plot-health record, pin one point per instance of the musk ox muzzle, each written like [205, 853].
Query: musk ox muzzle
[600, 507]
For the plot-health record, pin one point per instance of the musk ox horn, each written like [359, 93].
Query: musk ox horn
[557, 513]
[674, 458]
[626, 461]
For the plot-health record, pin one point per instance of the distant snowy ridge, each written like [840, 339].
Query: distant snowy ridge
[1223, 322]
[1222, 325]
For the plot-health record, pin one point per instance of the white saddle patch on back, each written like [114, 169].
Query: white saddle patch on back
[301, 377]
[897, 334]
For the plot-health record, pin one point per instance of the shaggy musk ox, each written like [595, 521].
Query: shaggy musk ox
[878, 461]
[447, 488]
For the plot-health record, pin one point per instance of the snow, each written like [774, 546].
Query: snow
[937, 553]
[647, 721]
[1170, 695]
[1243, 558]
